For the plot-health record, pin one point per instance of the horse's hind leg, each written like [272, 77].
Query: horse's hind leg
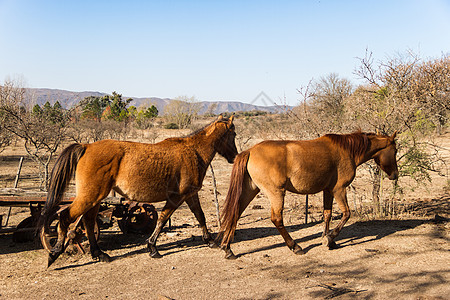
[194, 205]
[63, 225]
[249, 191]
[277, 202]
[67, 216]
[89, 219]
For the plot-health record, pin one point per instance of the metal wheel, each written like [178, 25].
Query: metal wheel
[49, 239]
[139, 219]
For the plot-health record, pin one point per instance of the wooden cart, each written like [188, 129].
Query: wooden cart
[131, 217]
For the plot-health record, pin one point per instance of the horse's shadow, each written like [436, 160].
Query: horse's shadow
[118, 240]
[353, 234]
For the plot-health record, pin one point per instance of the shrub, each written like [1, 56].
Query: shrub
[171, 126]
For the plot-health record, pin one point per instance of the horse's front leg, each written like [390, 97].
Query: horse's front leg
[194, 205]
[89, 219]
[169, 208]
[327, 212]
[341, 199]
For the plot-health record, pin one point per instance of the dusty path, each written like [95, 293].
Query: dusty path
[404, 259]
[401, 259]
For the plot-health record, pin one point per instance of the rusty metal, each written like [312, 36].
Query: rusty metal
[139, 218]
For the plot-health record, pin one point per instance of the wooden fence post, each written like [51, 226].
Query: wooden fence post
[16, 183]
[306, 210]
[216, 200]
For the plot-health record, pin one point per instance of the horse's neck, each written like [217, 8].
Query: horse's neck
[376, 145]
[204, 146]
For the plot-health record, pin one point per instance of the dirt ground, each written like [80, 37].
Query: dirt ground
[406, 257]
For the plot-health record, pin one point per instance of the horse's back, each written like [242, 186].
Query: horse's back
[299, 166]
[140, 171]
[101, 154]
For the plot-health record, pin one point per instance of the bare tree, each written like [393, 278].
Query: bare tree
[42, 133]
[5, 134]
[321, 108]
[210, 112]
[182, 111]
[403, 93]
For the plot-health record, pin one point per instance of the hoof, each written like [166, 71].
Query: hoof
[103, 257]
[212, 244]
[153, 251]
[52, 256]
[298, 250]
[230, 255]
[327, 241]
[155, 254]
[333, 245]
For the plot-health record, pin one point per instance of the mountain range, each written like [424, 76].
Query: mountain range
[69, 99]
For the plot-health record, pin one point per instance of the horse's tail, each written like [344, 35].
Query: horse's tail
[230, 212]
[62, 173]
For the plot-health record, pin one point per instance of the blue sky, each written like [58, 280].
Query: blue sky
[212, 50]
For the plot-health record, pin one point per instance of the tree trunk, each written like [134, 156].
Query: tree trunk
[376, 190]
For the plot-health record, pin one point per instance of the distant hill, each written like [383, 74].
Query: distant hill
[69, 99]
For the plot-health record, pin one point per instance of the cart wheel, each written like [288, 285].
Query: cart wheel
[24, 236]
[49, 239]
[139, 219]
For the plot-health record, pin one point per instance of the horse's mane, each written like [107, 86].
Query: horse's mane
[357, 143]
[224, 120]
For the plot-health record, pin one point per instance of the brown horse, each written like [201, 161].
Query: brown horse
[325, 164]
[171, 171]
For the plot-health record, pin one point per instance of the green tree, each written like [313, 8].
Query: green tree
[118, 107]
[37, 110]
[47, 107]
[93, 107]
[57, 114]
[151, 112]
[145, 115]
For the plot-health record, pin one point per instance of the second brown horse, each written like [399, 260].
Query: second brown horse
[325, 164]
[172, 171]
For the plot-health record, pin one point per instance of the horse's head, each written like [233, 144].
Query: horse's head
[386, 157]
[226, 145]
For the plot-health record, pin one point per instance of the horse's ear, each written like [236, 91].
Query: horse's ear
[230, 120]
[394, 135]
[378, 132]
[220, 118]
[210, 129]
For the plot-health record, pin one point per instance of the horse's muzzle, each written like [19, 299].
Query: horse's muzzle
[393, 176]
[230, 160]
